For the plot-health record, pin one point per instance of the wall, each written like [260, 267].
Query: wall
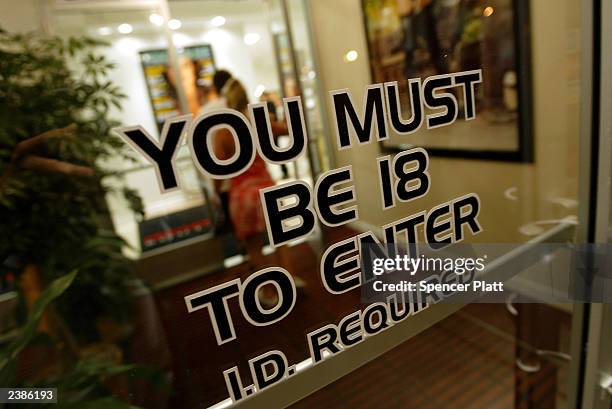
[20, 16]
[513, 195]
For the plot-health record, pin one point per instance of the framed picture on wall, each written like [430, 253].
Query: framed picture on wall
[419, 38]
[197, 67]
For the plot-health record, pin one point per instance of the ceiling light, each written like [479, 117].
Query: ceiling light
[218, 21]
[125, 28]
[488, 11]
[156, 19]
[105, 31]
[174, 24]
[351, 56]
[251, 38]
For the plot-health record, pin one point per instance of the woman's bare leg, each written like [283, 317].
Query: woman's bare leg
[283, 256]
[267, 294]
[254, 244]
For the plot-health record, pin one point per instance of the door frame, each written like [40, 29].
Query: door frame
[596, 362]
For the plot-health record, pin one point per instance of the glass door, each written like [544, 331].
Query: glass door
[501, 152]
[512, 354]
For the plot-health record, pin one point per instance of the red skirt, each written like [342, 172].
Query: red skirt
[245, 206]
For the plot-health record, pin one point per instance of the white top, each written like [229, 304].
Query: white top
[213, 105]
[210, 106]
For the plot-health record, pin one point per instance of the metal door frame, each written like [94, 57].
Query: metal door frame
[594, 364]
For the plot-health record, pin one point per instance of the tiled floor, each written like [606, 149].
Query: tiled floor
[454, 364]
[198, 361]
[457, 363]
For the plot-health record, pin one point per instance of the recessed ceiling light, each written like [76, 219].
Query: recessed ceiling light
[217, 21]
[351, 56]
[174, 24]
[251, 38]
[125, 28]
[105, 31]
[156, 19]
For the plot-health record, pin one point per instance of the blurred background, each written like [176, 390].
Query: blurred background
[96, 261]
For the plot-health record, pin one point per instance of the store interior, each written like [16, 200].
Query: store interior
[240, 37]
[165, 55]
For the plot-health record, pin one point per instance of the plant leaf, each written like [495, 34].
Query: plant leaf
[54, 290]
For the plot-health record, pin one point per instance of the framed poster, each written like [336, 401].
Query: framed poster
[197, 67]
[419, 38]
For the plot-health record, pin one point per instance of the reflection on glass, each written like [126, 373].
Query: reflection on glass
[422, 39]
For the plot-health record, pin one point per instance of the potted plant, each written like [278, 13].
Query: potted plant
[80, 384]
[54, 139]
[55, 136]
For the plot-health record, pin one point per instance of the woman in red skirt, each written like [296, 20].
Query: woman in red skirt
[244, 203]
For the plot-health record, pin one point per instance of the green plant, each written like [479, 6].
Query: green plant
[8, 356]
[80, 385]
[55, 220]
